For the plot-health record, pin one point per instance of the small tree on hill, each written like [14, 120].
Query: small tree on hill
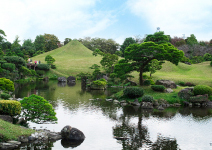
[49, 59]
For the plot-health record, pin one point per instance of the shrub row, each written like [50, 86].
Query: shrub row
[159, 88]
[202, 89]
[133, 92]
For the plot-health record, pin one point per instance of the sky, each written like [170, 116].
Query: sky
[109, 19]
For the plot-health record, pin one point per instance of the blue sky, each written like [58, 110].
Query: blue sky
[116, 19]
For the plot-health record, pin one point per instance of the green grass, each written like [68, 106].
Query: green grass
[71, 59]
[10, 131]
[196, 73]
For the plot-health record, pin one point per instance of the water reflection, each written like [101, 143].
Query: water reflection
[101, 121]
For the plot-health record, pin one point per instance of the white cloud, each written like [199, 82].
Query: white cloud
[28, 18]
[176, 17]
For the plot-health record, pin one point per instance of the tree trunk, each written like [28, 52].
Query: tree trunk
[141, 76]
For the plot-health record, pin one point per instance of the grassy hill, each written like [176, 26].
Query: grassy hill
[196, 73]
[71, 59]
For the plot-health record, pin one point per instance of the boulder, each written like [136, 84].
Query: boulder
[71, 79]
[168, 90]
[61, 79]
[199, 99]
[9, 145]
[166, 83]
[70, 133]
[160, 108]
[135, 103]
[7, 118]
[147, 105]
[186, 93]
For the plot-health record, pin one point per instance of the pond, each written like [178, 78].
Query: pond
[103, 122]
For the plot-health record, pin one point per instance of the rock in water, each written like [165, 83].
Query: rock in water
[70, 133]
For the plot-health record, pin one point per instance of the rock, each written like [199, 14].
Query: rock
[71, 79]
[166, 83]
[70, 133]
[23, 139]
[160, 108]
[7, 118]
[61, 79]
[186, 93]
[155, 103]
[61, 84]
[70, 143]
[21, 121]
[135, 103]
[105, 77]
[9, 145]
[32, 138]
[123, 104]
[115, 101]
[46, 79]
[123, 101]
[199, 99]
[54, 136]
[109, 100]
[147, 105]
[185, 103]
[168, 90]
[197, 104]
[177, 105]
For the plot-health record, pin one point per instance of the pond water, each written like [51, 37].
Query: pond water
[101, 121]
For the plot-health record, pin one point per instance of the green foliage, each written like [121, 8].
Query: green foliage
[40, 72]
[101, 82]
[96, 73]
[33, 72]
[202, 89]
[16, 43]
[43, 66]
[147, 82]
[191, 40]
[10, 107]
[152, 82]
[147, 98]
[133, 92]
[25, 71]
[159, 88]
[185, 59]
[81, 74]
[18, 61]
[37, 109]
[197, 59]
[211, 63]
[39, 43]
[207, 57]
[53, 66]
[66, 41]
[5, 96]
[157, 37]
[180, 43]
[49, 59]
[8, 66]
[51, 42]
[182, 83]
[126, 43]
[154, 65]
[6, 84]
[108, 62]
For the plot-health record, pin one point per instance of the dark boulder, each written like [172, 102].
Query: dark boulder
[70, 133]
[186, 93]
[199, 99]
[166, 83]
[46, 79]
[71, 79]
[6, 118]
[61, 79]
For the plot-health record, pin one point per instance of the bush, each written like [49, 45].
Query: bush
[10, 107]
[202, 89]
[152, 82]
[211, 63]
[40, 72]
[159, 88]
[182, 83]
[133, 92]
[53, 66]
[33, 72]
[43, 66]
[37, 109]
[147, 98]
[101, 82]
[207, 57]
[8, 66]
[6, 84]
[5, 96]
[147, 82]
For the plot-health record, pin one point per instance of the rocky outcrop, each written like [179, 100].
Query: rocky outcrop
[69, 133]
[61, 79]
[147, 105]
[71, 79]
[166, 83]
[186, 93]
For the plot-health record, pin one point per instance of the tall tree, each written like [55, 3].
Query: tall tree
[139, 56]
[39, 43]
[16, 43]
[66, 41]
[2, 35]
[28, 42]
[51, 42]
[191, 40]
[126, 43]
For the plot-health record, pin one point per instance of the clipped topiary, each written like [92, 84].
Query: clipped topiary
[147, 98]
[10, 107]
[5, 96]
[147, 82]
[202, 89]
[6, 84]
[159, 88]
[133, 92]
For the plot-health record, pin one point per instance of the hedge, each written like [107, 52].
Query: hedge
[10, 107]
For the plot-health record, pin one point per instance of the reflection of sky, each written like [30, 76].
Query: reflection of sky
[190, 134]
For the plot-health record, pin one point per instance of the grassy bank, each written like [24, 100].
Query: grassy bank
[10, 131]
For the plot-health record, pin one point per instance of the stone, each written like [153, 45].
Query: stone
[32, 138]
[21, 121]
[7, 118]
[123, 104]
[185, 103]
[168, 90]
[61, 79]
[147, 105]
[177, 105]
[186, 93]
[54, 136]
[135, 103]
[160, 108]
[70, 133]
[199, 99]
[123, 101]
[71, 79]
[109, 100]
[167, 83]
[10, 145]
[23, 139]
[115, 101]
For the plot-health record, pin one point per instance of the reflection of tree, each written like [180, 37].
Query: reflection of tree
[164, 143]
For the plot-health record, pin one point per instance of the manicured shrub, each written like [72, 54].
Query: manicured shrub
[37, 109]
[202, 89]
[159, 88]
[152, 82]
[18, 61]
[5, 96]
[147, 98]
[147, 82]
[6, 84]
[8, 66]
[10, 107]
[53, 66]
[182, 83]
[101, 82]
[33, 72]
[211, 63]
[40, 72]
[133, 92]
[207, 57]
[43, 66]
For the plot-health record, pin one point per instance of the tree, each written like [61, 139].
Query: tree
[49, 59]
[66, 41]
[138, 56]
[191, 40]
[2, 35]
[16, 43]
[126, 43]
[154, 65]
[39, 43]
[37, 109]
[51, 42]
